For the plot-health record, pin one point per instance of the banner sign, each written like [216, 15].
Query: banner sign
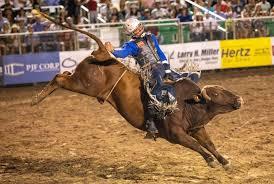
[1, 71]
[246, 53]
[205, 55]
[70, 59]
[30, 68]
[272, 49]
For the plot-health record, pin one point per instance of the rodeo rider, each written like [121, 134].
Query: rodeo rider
[144, 47]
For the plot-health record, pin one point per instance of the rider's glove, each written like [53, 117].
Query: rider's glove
[166, 66]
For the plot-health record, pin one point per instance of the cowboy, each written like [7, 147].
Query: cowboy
[144, 47]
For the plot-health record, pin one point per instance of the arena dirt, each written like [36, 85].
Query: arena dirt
[71, 138]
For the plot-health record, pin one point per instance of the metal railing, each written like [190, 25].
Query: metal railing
[168, 31]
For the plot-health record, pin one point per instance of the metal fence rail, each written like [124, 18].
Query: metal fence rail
[168, 31]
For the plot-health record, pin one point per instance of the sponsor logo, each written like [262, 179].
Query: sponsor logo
[69, 63]
[235, 52]
[14, 69]
[43, 67]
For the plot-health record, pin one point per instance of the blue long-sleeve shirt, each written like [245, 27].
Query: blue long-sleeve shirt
[130, 48]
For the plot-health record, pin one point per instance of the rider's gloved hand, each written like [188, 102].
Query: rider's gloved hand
[109, 47]
[167, 69]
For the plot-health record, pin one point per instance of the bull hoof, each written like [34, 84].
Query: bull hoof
[227, 166]
[212, 164]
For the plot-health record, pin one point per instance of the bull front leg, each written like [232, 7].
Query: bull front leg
[203, 138]
[187, 141]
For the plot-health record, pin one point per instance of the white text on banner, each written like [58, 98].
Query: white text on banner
[203, 54]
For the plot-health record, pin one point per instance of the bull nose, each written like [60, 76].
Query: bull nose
[239, 102]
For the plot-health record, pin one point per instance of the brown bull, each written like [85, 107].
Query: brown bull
[105, 78]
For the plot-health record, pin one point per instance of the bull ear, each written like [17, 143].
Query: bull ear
[205, 95]
[101, 54]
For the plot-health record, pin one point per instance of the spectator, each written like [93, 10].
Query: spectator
[21, 24]
[237, 7]
[221, 6]
[219, 12]
[36, 4]
[208, 6]
[38, 26]
[103, 11]
[158, 12]
[92, 7]
[265, 5]
[146, 15]
[13, 44]
[115, 15]
[229, 25]
[20, 3]
[211, 28]
[197, 28]
[73, 8]
[4, 40]
[7, 5]
[184, 15]
[2, 20]
[21, 13]
[133, 11]
[8, 13]
[259, 25]
[249, 7]
[30, 40]
[272, 11]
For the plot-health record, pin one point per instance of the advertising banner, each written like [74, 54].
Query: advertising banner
[1, 71]
[272, 49]
[205, 55]
[30, 68]
[246, 53]
[70, 59]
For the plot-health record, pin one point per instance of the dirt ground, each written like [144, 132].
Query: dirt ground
[71, 138]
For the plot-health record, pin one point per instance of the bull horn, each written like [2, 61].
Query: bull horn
[205, 95]
[101, 54]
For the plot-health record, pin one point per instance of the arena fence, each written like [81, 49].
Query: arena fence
[38, 57]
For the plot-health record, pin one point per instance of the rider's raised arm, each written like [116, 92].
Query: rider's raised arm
[128, 49]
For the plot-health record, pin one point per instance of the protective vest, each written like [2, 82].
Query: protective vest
[147, 50]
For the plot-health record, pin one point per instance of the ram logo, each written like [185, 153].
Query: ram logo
[14, 69]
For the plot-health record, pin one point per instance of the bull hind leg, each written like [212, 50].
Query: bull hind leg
[202, 137]
[60, 80]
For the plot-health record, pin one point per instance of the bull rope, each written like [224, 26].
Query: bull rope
[113, 87]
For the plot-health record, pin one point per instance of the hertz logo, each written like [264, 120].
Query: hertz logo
[235, 52]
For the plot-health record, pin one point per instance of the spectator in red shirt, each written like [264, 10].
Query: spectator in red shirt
[92, 7]
[223, 6]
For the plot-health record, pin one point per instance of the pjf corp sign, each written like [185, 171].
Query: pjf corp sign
[30, 68]
[42, 67]
[16, 69]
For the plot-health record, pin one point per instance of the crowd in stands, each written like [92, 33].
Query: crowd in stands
[16, 17]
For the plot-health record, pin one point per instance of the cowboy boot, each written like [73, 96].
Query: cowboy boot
[152, 130]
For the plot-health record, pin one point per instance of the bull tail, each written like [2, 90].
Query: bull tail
[101, 54]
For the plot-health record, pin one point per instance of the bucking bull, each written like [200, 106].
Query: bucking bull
[102, 76]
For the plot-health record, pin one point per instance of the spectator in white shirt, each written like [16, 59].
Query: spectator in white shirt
[265, 5]
[158, 12]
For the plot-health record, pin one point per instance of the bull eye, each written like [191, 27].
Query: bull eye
[215, 94]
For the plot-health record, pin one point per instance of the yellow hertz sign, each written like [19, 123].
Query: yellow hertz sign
[246, 53]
